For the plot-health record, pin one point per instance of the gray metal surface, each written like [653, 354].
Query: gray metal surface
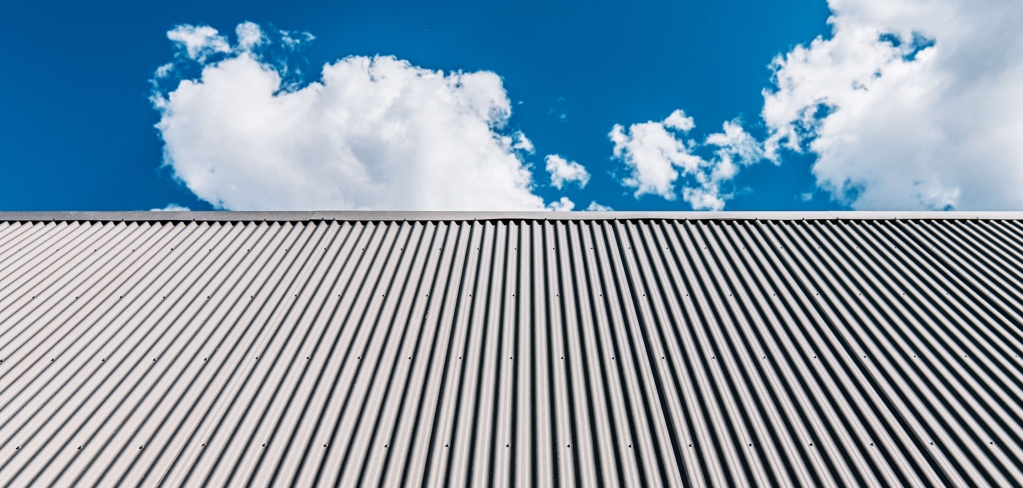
[604, 350]
[375, 216]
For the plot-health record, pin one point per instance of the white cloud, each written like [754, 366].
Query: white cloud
[596, 207]
[198, 42]
[657, 154]
[171, 207]
[523, 144]
[293, 40]
[678, 120]
[735, 145]
[563, 171]
[249, 36]
[563, 205]
[911, 104]
[163, 70]
[371, 133]
[652, 153]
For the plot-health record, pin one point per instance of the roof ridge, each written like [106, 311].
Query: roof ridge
[292, 216]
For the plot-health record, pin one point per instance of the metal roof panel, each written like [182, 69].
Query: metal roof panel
[500, 349]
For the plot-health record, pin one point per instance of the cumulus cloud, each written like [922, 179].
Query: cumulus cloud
[596, 207]
[370, 133]
[910, 104]
[563, 171]
[658, 154]
[652, 153]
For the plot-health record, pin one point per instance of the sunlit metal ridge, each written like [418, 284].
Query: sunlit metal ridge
[381, 216]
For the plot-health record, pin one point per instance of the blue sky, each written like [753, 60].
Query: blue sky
[78, 117]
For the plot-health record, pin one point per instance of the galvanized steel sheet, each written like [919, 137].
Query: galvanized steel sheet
[615, 350]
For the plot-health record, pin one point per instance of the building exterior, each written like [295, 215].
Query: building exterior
[454, 349]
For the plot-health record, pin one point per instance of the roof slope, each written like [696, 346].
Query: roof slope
[656, 350]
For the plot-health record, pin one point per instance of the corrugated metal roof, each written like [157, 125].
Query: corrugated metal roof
[506, 349]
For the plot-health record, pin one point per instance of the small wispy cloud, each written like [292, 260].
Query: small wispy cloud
[562, 205]
[563, 171]
[596, 207]
[171, 207]
[198, 42]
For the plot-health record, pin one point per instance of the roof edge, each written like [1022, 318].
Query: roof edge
[229, 216]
